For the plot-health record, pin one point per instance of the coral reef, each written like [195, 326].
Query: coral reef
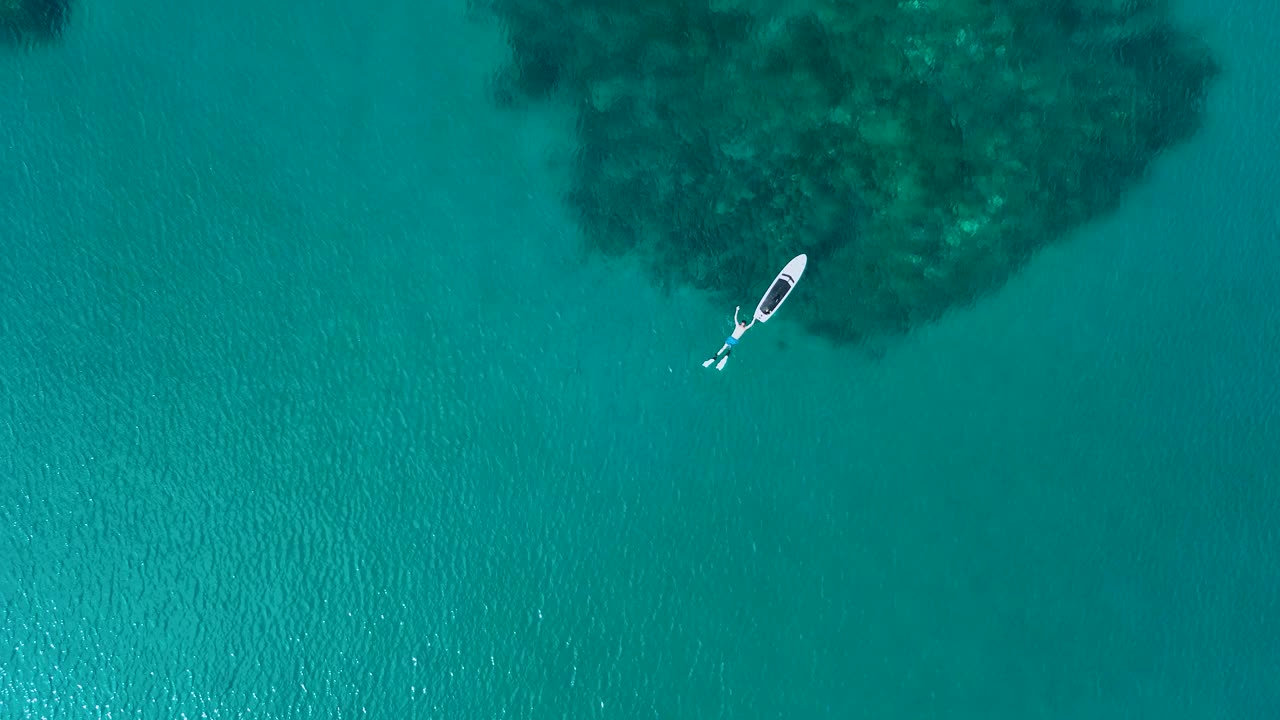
[28, 22]
[918, 150]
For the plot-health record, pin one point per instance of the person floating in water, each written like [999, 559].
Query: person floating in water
[739, 328]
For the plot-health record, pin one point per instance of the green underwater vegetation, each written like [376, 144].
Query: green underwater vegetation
[31, 22]
[920, 151]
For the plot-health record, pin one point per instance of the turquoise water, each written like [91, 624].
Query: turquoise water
[314, 408]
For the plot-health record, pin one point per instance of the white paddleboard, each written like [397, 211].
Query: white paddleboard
[781, 287]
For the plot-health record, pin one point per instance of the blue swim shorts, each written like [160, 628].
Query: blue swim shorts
[731, 341]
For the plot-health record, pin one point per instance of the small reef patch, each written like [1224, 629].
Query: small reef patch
[24, 23]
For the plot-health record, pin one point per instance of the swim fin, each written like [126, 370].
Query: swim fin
[708, 362]
[723, 360]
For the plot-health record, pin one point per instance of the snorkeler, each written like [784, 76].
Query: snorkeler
[739, 327]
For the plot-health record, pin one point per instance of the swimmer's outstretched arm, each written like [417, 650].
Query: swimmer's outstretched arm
[735, 314]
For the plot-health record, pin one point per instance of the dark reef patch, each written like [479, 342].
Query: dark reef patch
[30, 22]
[920, 151]
[24, 23]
